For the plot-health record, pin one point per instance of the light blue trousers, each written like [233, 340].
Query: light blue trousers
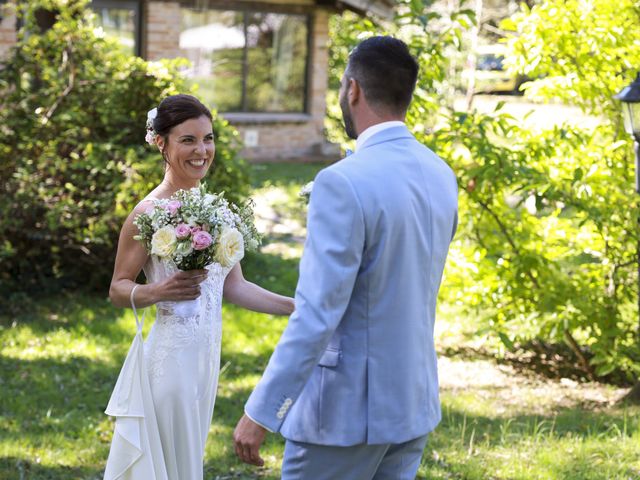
[306, 461]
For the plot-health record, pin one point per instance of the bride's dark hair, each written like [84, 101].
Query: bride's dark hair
[176, 109]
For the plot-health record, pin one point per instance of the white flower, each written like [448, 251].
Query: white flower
[306, 190]
[209, 199]
[151, 115]
[230, 248]
[253, 244]
[163, 242]
[150, 137]
[184, 248]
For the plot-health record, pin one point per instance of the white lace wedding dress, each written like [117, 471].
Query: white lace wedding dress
[163, 400]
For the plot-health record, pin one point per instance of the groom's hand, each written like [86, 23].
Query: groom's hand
[247, 438]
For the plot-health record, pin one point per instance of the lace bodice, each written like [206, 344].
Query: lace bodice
[171, 332]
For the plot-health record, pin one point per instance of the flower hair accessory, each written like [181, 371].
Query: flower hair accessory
[150, 137]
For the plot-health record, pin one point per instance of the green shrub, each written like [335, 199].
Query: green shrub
[73, 161]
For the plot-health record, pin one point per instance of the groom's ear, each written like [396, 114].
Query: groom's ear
[355, 92]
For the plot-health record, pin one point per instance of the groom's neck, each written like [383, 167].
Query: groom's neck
[368, 117]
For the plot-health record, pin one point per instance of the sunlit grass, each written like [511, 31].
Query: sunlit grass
[60, 361]
[571, 444]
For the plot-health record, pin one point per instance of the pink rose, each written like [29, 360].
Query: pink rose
[173, 206]
[195, 229]
[201, 240]
[183, 231]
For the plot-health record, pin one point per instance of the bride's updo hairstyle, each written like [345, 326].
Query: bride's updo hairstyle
[174, 110]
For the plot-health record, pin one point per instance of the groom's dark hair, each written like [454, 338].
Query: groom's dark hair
[386, 72]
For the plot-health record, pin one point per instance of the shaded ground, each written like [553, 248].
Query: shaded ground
[507, 387]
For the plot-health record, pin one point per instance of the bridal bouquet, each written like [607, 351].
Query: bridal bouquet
[194, 229]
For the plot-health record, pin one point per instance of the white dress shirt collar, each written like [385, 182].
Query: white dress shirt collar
[373, 129]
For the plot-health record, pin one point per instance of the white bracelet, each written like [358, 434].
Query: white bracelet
[133, 305]
[139, 322]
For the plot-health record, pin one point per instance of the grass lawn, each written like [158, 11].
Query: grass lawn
[59, 362]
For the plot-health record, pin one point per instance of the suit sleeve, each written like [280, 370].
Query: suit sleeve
[328, 271]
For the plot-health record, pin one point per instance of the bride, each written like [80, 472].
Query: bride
[181, 354]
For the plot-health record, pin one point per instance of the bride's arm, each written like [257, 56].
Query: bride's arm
[130, 258]
[239, 291]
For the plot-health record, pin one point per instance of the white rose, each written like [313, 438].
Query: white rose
[163, 242]
[184, 248]
[230, 248]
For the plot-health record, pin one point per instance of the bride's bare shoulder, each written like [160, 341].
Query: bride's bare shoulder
[142, 206]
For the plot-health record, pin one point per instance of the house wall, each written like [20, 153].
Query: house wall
[7, 28]
[161, 31]
[301, 138]
[267, 136]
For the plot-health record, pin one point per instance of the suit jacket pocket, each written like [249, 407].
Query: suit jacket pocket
[329, 358]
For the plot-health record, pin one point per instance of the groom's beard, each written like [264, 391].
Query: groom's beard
[348, 120]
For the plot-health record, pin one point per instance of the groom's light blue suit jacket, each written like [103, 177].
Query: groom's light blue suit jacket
[356, 363]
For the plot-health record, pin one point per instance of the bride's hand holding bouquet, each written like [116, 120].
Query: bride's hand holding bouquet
[193, 229]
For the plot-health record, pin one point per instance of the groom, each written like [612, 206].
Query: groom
[353, 385]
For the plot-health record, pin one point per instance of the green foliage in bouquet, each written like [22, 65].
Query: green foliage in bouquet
[73, 160]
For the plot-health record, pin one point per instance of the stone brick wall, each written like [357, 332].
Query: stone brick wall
[285, 140]
[319, 68]
[7, 28]
[161, 31]
[276, 137]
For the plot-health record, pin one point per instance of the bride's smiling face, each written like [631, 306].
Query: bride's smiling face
[189, 148]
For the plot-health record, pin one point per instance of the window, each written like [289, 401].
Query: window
[120, 20]
[247, 61]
